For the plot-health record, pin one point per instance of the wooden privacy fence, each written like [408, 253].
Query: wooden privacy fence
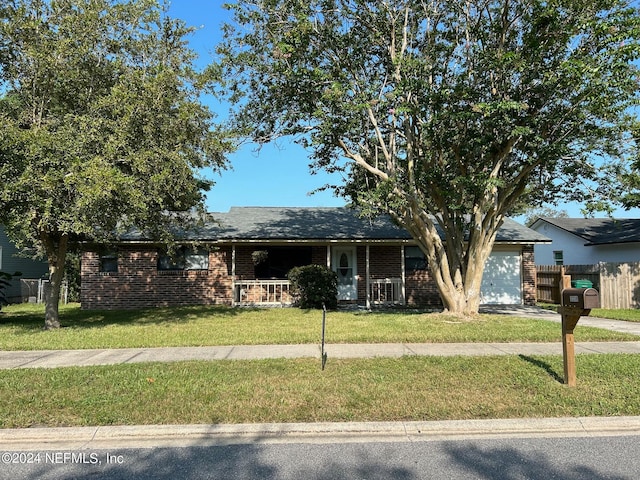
[617, 282]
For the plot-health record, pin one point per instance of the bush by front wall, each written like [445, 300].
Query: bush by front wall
[314, 285]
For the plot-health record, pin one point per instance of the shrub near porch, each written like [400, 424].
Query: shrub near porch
[314, 286]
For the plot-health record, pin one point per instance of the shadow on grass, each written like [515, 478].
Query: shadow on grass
[544, 366]
[31, 318]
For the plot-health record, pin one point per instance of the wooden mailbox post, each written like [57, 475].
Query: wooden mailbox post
[576, 302]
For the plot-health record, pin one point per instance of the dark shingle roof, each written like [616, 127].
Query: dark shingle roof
[600, 231]
[266, 223]
[332, 224]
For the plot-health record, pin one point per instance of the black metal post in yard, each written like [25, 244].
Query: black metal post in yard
[324, 322]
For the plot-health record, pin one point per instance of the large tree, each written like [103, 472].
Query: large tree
[102, 123]
[445, 114]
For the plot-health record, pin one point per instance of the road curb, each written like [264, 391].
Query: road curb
[149, 436]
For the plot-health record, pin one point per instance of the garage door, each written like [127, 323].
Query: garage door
[502, 279]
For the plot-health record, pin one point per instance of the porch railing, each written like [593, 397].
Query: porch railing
[262, 292]
[382, 291]
[386, 291]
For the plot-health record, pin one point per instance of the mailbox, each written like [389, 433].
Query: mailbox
[575, 303]
[581, 298]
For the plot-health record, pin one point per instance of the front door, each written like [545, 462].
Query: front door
[344, 264]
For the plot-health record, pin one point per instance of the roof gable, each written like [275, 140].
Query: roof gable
[599, 231]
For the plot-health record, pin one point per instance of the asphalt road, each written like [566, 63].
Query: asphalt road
[579, 458]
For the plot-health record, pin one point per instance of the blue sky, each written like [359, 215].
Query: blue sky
[277, 175]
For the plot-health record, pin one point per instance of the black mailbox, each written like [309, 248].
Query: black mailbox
[581, 298]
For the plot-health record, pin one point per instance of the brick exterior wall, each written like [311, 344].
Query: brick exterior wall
[385, 261]
[420, 290]
[139, 284]
[528, 275]
[245, 269]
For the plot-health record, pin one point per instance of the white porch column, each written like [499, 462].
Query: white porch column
[233, 274]
[368, 279]
[403, 287]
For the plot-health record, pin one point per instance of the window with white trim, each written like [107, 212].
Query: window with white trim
[184, 258]
[558, 257]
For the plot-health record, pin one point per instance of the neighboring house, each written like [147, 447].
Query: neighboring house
[243, 256]
[11, 262]
[587, 241]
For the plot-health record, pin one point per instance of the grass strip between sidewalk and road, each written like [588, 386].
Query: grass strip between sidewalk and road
[382, 389]
[21, 328]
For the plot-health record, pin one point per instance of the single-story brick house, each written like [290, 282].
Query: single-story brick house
[243, 256]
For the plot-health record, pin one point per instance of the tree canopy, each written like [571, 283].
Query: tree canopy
[443, 111]
[102, 123]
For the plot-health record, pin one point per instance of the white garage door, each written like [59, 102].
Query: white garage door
[502, 279]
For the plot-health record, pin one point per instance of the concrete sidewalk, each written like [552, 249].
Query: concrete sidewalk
[68, 358]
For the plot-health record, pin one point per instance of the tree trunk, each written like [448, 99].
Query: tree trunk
[463, 297]
[56, 249]
[456, 266]
[463, 293]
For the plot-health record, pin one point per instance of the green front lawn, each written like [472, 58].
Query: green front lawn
[408, 388]
[381, 389]
[21, 328]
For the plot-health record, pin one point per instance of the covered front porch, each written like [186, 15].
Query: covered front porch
[360, 268]
[275, 293]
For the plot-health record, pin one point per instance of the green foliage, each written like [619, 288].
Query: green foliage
[629, 178]
[471, 96]
[314, 286]
[72, 275]
[459, 111]
[103, 126]
[532, 214]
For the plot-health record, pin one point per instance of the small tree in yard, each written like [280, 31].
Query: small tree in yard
[313, 286]
[444, 114]
[102, 124]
